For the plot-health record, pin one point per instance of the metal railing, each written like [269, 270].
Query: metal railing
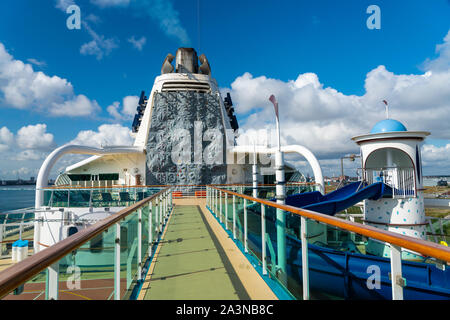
[66, 197]
[251, 221]
[401, 180]
[102, 250]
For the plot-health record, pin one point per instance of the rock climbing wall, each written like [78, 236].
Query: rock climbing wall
[186, 143]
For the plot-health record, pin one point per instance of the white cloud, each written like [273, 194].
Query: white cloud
[37, 62]
[23, 88]
[168, 18]
[324, 119]
[436, 155]
[127, 111]
[35, 137]
[442, 62]
[138, 43]
[27, 148]
[6, 139]
[107, 135]
[31, 145]
[99, 46]
[161, 11]
[64, 4]
[78, 106]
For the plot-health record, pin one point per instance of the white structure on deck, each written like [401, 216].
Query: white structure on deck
[391, 154]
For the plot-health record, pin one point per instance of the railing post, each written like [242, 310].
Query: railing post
[263, 239]
[52, 283]
[396, 273]
[157, 215]
[161, 209]
[234, 217]
[215, 202]
[305, 265]
[139, 235]
[150, 227]
[165, 204]
[220, 206]
[226, 211]
[245, 226]
[117, 263]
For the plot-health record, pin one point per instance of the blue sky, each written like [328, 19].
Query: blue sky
[269, 40]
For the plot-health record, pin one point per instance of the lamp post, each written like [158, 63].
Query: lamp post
[280, 195]
[352, 158]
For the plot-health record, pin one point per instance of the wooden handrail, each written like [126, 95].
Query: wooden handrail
[425, 248]
[21, 272]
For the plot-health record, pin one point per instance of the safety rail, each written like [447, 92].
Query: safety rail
[95, 197]
[103, 248]
[401, 180]
[226, 211]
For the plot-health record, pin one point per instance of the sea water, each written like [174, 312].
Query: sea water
[16, 197]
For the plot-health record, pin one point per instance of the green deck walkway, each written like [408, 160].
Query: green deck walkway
[191, 264]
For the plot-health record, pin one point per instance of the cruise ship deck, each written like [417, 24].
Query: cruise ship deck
[219, 243]
[196, 259]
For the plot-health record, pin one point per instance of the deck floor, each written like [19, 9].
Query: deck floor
[197, 260]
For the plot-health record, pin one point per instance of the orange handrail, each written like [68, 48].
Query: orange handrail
[417, 245]
[18, 274]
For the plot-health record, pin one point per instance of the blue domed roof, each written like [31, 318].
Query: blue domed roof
[388, 125]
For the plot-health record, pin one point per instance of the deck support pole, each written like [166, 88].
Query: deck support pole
[305, 266]
[396, 273]
[281, 218]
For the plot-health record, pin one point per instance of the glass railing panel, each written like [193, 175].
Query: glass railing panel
[33, 289]
[240, 219]
[228, 212]
[145, 227]
[88, 272]
[129, 253]
[254, 230]
[79, 198]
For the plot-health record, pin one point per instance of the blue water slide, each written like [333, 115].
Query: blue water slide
[344, 273]
[339, 199]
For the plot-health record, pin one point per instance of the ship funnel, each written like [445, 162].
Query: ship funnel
[186, 60]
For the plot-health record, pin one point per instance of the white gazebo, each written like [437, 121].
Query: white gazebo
[391, 154]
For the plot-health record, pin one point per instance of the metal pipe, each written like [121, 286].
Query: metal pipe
[306, 153]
